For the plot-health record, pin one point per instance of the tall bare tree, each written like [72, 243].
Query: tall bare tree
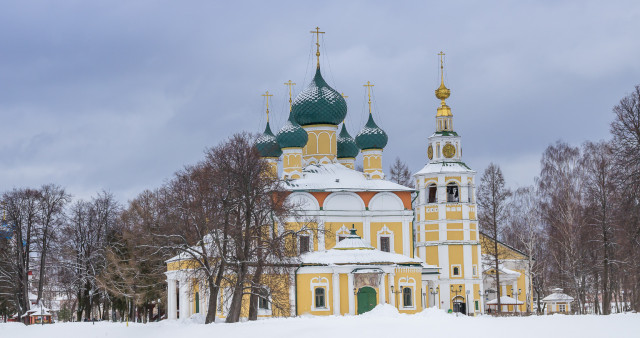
[493, 201]
[399, 173]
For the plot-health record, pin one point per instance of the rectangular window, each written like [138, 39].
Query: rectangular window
[433, 193]
[455, 270]
[562, 308]
[304, 244]
[319, 294]
[477, 306]
[475, 270]
[385, 244]
[407, 299]
[263, 303]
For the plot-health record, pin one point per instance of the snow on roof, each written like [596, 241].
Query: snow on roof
[444, 167]
[505, 300]
[557, 296]
[37, 311]
[353, 250]
[337, 177]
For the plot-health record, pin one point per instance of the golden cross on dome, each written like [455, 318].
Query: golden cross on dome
[317, 32]
[369, 85]
[343, 96]
[290, 84]
[267, 95]
[441, 67]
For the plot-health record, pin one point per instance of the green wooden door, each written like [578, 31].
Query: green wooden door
[366, 299]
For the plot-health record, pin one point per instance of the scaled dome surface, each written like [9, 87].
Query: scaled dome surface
[371, 136]
[291, 135]
[347, 147]
[267, 144]
[319, 104]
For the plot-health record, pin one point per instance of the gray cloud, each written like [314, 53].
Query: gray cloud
[119, 95]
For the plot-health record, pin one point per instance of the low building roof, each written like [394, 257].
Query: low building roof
[505, 300]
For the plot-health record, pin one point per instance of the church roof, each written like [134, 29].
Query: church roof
[371, 136]
[444, 167]
[337, 177]
[557, 296]
[353, 250]
[347, 147]
[267, 145]
[319, 104]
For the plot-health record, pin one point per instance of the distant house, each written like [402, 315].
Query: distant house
[557, 302]
[37, 315]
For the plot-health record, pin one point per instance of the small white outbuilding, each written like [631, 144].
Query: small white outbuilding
[557, 302]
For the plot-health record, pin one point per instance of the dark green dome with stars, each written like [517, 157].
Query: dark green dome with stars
[291, 135]
[371, 136]
[267, 144]
[347, 147]
[319, 104]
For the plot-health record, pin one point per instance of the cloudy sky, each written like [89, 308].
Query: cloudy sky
[118, 95]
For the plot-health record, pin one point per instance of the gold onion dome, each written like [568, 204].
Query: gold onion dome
[267, 144]
[347, 147]
[319, 104]
[291, 135]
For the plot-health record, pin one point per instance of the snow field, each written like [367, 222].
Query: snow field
[383, 321]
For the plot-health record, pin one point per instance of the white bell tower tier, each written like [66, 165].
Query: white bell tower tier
[446, 224]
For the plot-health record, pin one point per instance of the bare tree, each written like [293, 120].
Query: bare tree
[400, 173]
[525, 232]
[493, 212]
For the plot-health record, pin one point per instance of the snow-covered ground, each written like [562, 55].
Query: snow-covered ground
[381, 322]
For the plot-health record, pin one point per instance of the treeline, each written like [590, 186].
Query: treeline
[224, 215]
[580, 222]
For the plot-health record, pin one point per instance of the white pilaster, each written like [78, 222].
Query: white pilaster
[336, 293]
[352, 297]
[392, 295]
[382, 288]
[185, 304]
[172, 306]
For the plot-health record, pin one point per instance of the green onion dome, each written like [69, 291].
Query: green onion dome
[267, 144]
[292, 135]
[371, 136]
[347, 147]
[319, 104]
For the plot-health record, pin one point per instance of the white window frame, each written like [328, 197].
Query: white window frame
[562, 308]
[311, 241]
[459, 266]
[319, 282]
[405, 282]
[385, 232]
[475, 270]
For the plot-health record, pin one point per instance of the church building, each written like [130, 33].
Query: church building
[378, 242]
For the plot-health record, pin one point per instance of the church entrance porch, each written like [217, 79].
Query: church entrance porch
[367, 299]
[459, 305]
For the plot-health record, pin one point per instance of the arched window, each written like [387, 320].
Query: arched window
[453, 193]
[470, 193]
[432, 190]
[455, 271]
[407, 299]
[320, 298]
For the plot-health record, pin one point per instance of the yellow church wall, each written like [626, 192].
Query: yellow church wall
[431, 213]
[453, 212]
[322, 143]
[306, 294]
[332, 227]
[344, 293]
[395, 227]
[472, 214]
[432, 235]
[455, 232]
[410, 275]
[457, 179]
[432, 255]
[456, 258]
[474, 257]
[476, 291]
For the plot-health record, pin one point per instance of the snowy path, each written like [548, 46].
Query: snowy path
[381, 324]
